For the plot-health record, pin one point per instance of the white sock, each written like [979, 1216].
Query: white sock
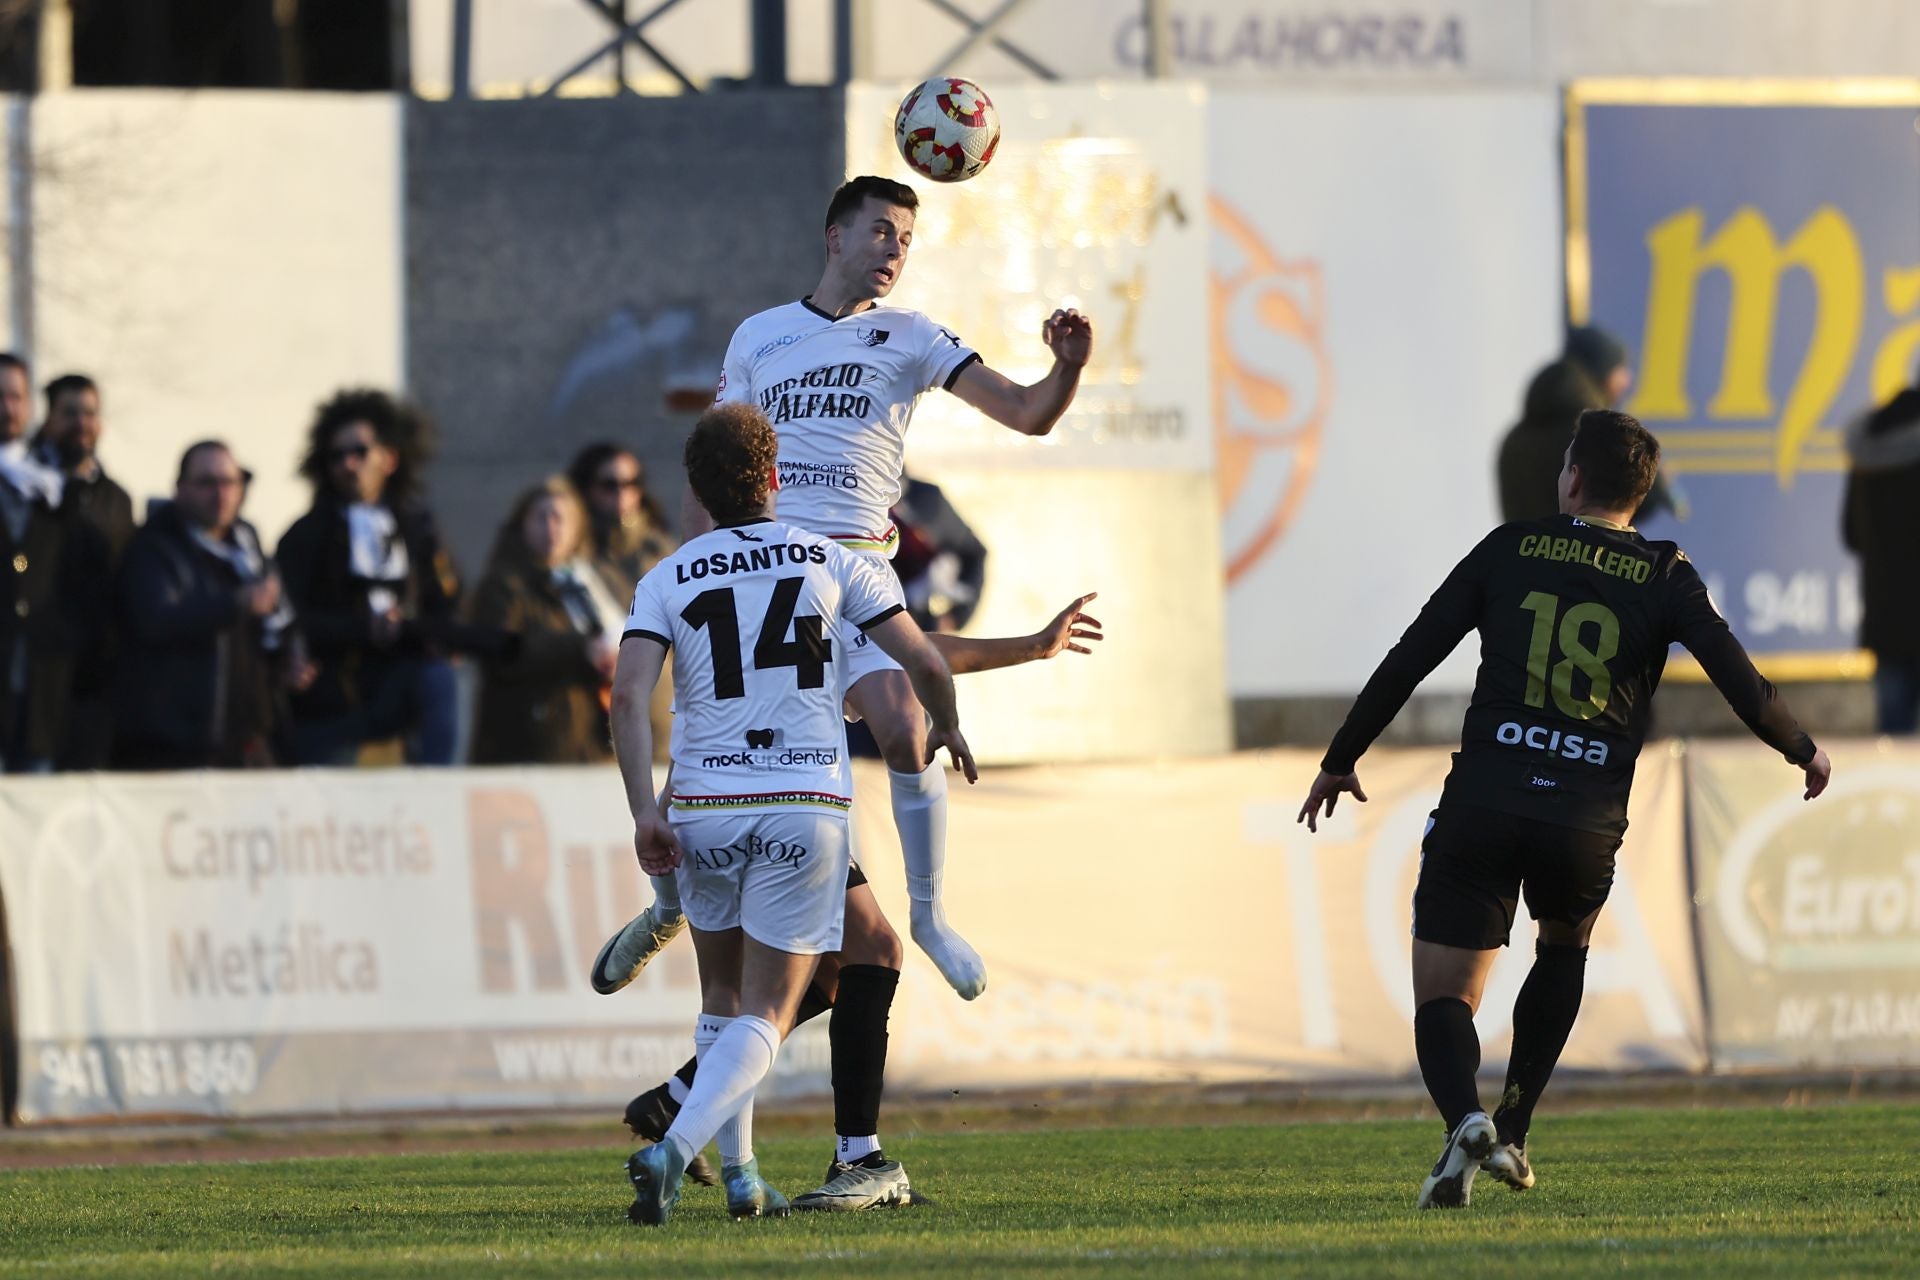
[678, 1089]
[735, 1137]
[920, 814]
[852, 1149]
[666, 896]
[737, 1061]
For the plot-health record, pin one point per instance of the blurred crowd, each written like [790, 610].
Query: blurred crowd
[183, 642]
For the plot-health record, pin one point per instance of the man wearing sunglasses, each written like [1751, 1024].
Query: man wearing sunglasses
[373, 586]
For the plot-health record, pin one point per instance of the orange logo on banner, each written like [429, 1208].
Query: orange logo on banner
[1272, 384]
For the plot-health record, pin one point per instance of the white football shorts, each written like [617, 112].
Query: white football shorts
[778, 874]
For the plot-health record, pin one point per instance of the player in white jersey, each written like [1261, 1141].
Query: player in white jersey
[755, 834]
[838, 374]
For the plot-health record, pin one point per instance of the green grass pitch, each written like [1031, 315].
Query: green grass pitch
[1828, 1192]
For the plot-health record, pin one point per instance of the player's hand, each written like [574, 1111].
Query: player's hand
[1073, 624]
[1069, 335]
[1819, 771]
[1326, 791]
[658, 848]
[957, 749]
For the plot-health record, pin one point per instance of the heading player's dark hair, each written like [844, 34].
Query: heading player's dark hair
[8, 360]
[729, 455]
[1618, 458]
[854, 192]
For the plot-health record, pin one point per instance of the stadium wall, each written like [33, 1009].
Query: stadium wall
[217, 261]
[575, 268]
[352, 943]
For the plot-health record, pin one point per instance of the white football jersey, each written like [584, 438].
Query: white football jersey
[760, 617]
[840, 394]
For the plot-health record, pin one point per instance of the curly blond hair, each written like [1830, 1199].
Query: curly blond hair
[730, 453]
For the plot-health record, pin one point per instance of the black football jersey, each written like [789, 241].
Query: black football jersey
[1575, 620]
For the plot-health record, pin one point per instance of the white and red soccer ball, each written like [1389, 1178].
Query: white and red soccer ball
[947, 129]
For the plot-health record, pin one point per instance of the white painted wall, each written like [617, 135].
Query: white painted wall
[219, 263]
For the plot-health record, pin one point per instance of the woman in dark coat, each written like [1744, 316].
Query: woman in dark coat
[544, 702]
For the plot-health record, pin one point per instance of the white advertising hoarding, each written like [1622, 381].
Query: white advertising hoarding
[1092, 201]
[1385, 282]
[1095, 200]
[336, 942]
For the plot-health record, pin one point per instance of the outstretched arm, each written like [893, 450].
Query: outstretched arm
[1071, 630]
[1452, 611]
[1032, 410]
[1751, 695]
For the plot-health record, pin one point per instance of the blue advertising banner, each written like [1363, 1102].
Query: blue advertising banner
[1757, 247]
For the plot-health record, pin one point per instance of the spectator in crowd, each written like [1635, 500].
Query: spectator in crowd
[208, 644]
[54, 604]
[1601, 357]
[1593, 372]
[1881, 525]
[1533, 451]
[628, 529]
[941, 562]
[629, 536]
[373, 587]
[544, 702]
[69, 442]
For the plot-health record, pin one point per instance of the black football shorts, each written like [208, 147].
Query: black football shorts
[1476, 865]
[855, 876]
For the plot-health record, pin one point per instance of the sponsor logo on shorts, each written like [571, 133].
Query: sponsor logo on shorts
[750, 850]
[1554, 742]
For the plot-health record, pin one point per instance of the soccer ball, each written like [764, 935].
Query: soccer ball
[947, 129]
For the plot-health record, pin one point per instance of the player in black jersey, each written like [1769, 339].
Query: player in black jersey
[1575, 613]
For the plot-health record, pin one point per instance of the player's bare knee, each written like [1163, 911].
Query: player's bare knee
[902, 741]
[908, 758]
[869, 939]
[1554, 933]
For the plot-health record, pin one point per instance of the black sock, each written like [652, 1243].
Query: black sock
[1449, 1051]
[857, 1036]
[812, 1005]
[1542, 1020]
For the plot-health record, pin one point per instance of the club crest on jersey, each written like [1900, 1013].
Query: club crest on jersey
[874, 337]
